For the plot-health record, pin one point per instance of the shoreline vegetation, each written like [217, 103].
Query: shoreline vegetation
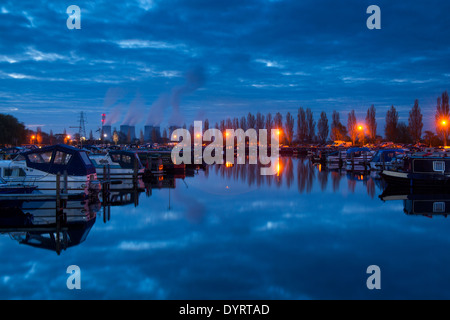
[302, 131]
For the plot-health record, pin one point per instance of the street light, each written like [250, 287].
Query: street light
[444, 125]
[361, 130]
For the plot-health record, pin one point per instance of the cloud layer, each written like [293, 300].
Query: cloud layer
[256, 55]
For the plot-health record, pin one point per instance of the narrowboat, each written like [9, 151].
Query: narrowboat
[429, 170]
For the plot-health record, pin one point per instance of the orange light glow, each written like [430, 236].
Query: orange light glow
[278, 132]
[68, 137]
[32, 137]
[444, 123]
[360, 128]
[198, 135]
[228, 164]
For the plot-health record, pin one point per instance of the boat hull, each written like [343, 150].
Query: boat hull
[405, 179]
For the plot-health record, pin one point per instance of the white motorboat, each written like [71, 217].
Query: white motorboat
[40, 167]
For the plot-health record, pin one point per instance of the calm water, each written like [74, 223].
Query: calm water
[229, 233]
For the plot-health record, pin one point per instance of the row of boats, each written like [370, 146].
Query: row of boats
[78, 171]
[427, 167]
[82, 172]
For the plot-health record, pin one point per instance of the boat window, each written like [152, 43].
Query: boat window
[115, 157]
[439, 166]
[85, 158]
[22, 172]
[44, 157]
[126, 159]
[438, 207]
[47, 156]
[15, 172]
[62, 157]
[20, 157]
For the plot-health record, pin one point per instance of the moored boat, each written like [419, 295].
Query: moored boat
[6, 188]
[358, 158]
[429, 170]
[41, 167]
[386, 158]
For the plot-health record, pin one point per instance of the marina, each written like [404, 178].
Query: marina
[215, 153]
[172, 217]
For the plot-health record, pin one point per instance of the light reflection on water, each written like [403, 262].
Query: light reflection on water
[230, 233]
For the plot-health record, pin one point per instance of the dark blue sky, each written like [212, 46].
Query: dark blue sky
[219, 59]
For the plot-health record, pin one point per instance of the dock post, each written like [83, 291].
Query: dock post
[382, 159]
[135, 173]
[58, 194]
[365, 161]
[353, 162]
[66, 183]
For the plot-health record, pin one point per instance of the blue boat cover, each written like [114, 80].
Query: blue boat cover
[60, 158]
[389, 154]
[357, 149]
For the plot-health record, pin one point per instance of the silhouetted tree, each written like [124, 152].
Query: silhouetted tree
[431, 139]
[403, 135]
[311, 125]
[302, 126]
[322, 127]
[289, 128]
[390, 130]
[243, 123]
[415, 123]
[338, 130]
[260, 121]
[371, 123]
[443, 117]
[352, 126]
[269, 125]
[251, 121]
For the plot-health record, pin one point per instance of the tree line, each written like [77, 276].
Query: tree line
[306, 131]
[358, 132]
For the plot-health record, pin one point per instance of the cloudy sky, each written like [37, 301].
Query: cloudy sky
[138, 61]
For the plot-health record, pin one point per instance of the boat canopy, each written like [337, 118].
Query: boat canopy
[60, 158]
[389, 154]
[357, 149]
[125, 159]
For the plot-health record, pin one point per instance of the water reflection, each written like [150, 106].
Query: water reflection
[36, 223]
[422, 202]
[225, 231]
[303, 171]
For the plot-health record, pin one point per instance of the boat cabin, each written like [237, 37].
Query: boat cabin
[126, 159]
[429, 165]
[59, 159]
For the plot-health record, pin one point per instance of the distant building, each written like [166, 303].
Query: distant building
[129, 132]
[148, 133]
